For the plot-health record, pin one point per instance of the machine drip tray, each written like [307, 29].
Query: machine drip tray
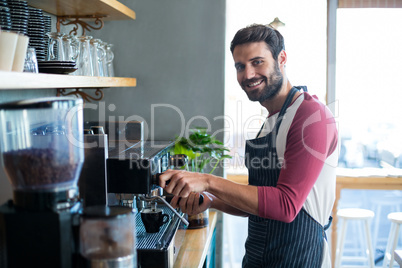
[157, 249]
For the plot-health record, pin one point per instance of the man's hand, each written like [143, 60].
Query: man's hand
[182, 183]
[191, 205]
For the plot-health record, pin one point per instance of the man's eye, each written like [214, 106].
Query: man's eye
[239, 68]
[257, 62]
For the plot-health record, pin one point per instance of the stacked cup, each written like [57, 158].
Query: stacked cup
[13, 48]
[13, 39]
[5, 16]
[36, 32]
[19, 16]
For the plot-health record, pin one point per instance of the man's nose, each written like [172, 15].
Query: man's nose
[249, 72]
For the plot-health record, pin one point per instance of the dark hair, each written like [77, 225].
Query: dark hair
[258, 33]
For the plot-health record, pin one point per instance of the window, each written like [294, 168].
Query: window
[368, 68]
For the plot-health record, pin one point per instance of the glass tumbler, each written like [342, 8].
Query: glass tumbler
[31, 63]
[84, 59]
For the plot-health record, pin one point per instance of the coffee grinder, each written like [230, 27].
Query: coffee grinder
[42, 154]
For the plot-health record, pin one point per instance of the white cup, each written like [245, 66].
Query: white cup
[20, 53]
[8, 43]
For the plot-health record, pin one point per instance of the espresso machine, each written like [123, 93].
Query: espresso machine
[99, 138]
[41, 152]
[121, 171]
[50, 222]
[132, 173]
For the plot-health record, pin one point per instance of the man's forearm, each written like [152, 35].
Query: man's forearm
[233, 198]
[222, 206]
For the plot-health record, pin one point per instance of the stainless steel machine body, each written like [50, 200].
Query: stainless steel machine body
[130, 175]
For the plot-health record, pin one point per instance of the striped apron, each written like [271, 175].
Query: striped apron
[272, 243]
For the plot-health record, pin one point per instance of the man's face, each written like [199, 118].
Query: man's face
[257, 72]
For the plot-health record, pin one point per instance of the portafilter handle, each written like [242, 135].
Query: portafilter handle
[155, 179]
[152, 198]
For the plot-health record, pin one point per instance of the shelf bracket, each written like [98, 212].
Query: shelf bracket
[98, 94]
[79, 21]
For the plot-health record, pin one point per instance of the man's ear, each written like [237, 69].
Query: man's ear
[282, 58]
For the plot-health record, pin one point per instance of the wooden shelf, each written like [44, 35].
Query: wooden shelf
[112, 9]
[16, 80]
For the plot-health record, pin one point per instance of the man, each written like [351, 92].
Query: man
[291, 163]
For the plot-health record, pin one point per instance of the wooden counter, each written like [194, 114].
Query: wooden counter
[196, 244]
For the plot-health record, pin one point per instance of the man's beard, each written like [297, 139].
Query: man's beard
[272, 88]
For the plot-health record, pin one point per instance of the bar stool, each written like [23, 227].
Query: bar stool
[382, 205]
[363, 216]
[396, 221]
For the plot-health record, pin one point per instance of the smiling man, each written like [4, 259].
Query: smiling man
[272, 84]
[291, 163]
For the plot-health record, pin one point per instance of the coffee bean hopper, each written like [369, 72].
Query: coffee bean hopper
[42, 155]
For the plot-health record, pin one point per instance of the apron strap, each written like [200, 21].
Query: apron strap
[284, 107]
[288, 100]
[326, 227]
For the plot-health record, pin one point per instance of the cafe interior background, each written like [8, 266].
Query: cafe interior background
[179, 53]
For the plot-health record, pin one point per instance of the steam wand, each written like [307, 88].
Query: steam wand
[149, 199]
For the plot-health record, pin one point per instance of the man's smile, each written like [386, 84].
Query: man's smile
[254, 83]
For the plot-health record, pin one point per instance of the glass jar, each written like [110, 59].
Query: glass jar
[109, 59]
[98, 53]
[104, 61]
[70, 47]
[55, 47]
[107, 237]
[41, 143]
[199, 220]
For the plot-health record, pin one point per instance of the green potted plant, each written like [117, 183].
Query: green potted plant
[204, 153]
[201, 149]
